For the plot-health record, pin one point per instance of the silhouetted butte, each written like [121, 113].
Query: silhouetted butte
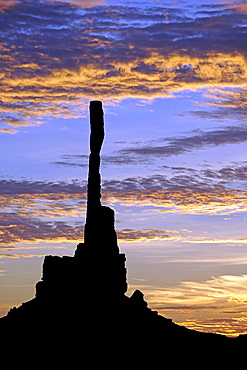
[81, 314]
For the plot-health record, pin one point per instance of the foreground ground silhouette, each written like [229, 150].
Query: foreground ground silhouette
[81, 318]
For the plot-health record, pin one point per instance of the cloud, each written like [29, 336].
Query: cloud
[5, 4]
[18, 229]
[239, 5]
[30, 215]
[82, 3]
[206, 191]
[10, 187]
[205, 240]
[77, 160]
[220, 294]
[181, 145]
[230, 288]
[20, 255]
[44, 205]
[231, 327]
[165, 147]
[130, 235]
[33, 211]
[225, 104]
[69, 54]
[8, 131]
[183, 194]
[185, 308]
[228, 173]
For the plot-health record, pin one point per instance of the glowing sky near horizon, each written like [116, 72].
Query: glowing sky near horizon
[172, 78]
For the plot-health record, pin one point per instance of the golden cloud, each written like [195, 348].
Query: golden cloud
[43, 76]
[58, 205]
[58, 213]
[240, 6]
[21, 255]
[60, 92]
[53, 205]
[197, 305]
[214, 69]
[5, 4]
[210, 202]
[231, 327]
[8, 131]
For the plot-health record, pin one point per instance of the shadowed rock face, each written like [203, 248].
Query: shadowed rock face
[80, 313]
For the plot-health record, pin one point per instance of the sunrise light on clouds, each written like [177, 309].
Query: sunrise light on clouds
[172, 78]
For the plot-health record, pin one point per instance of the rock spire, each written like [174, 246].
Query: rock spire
[81, 315]
[99, 226]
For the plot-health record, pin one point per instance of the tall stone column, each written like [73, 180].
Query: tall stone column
[99, 231]
[96, 140]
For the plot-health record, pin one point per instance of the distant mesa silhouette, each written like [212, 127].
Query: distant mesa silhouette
[81, 317]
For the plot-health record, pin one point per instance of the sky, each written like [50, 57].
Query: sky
[172, 79]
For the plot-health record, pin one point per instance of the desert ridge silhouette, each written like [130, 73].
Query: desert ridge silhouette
[81, 315]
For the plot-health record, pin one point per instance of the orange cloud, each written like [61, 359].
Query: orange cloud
[240, 6]
[231, 327]
[226, 70]
[5, 4]
[209, 202]
[45, 205]
[58, 214]
[21, 255]
[8, 131]
[41, 76]
[197, 305]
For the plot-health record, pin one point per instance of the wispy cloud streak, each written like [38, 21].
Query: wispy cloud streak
[45, 211]
[225, 296]
[179, 189]
[182, 145]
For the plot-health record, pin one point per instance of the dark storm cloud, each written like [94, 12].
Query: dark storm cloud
[54, 54]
